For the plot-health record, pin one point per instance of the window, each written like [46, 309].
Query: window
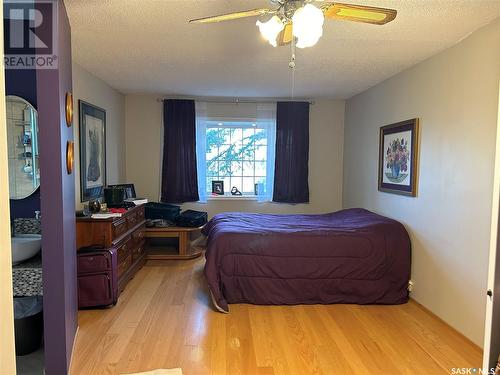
[240, 151]
[236, 153]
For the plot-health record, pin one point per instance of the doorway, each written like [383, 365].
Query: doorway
[492, 321]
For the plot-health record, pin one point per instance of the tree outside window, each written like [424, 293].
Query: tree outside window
[236, 154]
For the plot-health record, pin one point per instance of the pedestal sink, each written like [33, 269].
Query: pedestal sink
[25, 246]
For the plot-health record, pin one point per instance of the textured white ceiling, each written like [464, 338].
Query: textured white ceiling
[147, 46]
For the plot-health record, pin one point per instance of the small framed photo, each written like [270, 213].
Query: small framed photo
[218, 187]
[398, 158]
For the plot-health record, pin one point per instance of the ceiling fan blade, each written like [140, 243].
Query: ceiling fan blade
[286, 35]
[233, 16]
[359, 13]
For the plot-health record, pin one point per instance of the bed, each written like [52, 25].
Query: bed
[350, 256]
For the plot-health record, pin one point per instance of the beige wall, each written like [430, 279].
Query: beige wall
[455, 95]
[7, 349]
[91, 89]
[144, 121]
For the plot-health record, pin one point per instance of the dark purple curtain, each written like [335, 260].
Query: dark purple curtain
[179, 178]
[292, 153]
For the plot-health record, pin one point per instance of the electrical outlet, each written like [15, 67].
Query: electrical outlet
[411, 285]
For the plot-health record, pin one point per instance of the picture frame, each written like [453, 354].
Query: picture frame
[218, 187]
[129, 190]
[92, 151]
[398, 158]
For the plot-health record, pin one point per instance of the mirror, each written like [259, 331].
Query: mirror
[22, 140]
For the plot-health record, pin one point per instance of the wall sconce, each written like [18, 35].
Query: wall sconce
[69, 109]
[70, 156]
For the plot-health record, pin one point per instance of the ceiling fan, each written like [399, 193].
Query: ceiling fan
[303, 20]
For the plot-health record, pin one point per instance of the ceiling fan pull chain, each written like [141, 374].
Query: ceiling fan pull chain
[292, 65]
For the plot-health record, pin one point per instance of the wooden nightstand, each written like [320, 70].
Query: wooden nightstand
[187, 243]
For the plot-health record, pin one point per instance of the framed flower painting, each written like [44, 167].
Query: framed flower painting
[398, 158]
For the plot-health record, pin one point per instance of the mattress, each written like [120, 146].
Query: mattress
[350, 256]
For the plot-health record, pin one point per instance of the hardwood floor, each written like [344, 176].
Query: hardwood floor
[164, 319]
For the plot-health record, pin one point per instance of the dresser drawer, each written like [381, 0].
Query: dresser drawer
[138, 251]
[140, 214]
[124, 249]
[138, 235]
[132, 221]
[119, 228]
[124, 266]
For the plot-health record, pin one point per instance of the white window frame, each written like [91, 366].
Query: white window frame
[237, 124]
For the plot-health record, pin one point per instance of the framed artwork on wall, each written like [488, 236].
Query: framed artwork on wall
[398, 158]
[92, 151]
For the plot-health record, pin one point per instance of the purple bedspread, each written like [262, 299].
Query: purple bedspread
[350, 256]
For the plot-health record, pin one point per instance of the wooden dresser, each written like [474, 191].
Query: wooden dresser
[125, 233]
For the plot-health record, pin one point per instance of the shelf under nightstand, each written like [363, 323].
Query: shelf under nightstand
[187, 247]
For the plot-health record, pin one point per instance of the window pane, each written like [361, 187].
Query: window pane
[248, 152]
[248, 168]
[261, 137]
[232, 152]
[238, 149]
[236, 136]
[209, 184]
[260, 168]
[215, 138]
[227, 185]
[248, 185]
[226, 135]
[223, 150]
[236, 168]
[261, 153]
[235, 181]
[212, 153]
[248, 135]
[224, 168]
[212, 168]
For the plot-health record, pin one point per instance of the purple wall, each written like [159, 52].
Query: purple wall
[58, 207]
[25, 207]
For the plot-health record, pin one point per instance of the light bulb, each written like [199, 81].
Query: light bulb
[308, 25]
[271, 29]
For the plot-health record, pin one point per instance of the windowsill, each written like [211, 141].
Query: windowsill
[232, 197]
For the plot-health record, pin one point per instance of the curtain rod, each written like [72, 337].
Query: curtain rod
[238, 101]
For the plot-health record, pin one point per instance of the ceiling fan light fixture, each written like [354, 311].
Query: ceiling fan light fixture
[271, 29]
[308, 25]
